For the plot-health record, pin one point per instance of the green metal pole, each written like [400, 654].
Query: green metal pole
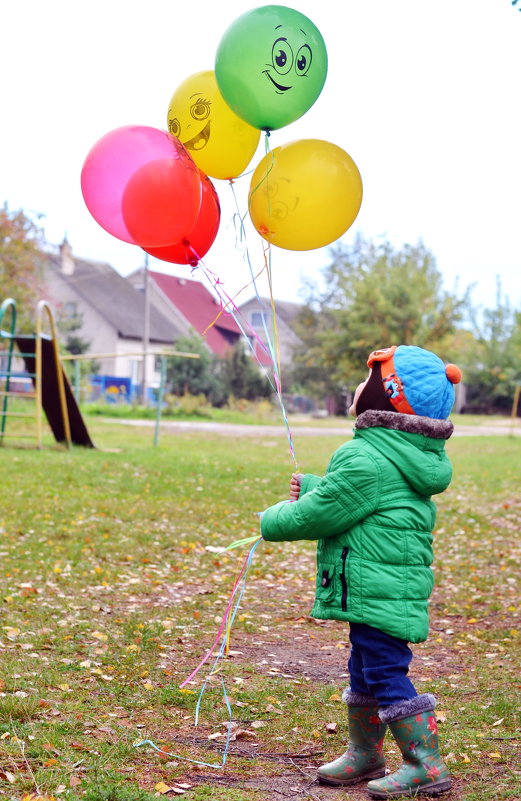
[160, 399]
[9, 303]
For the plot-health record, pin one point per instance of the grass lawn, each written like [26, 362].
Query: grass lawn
[113, 588]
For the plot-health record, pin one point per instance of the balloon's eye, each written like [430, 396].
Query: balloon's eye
[174, 127]
[282, 56]
[270, 189]
[279, 210]
[200, 110]
[303, 60]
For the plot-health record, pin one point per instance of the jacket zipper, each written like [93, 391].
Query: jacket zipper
[343, 579]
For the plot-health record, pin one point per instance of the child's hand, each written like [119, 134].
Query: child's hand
[294, 486]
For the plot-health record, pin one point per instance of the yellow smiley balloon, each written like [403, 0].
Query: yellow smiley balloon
[221, 143]
[305, 194]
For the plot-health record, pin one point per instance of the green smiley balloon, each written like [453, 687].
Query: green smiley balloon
[271, 65]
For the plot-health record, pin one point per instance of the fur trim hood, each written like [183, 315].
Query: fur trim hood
[412, 424]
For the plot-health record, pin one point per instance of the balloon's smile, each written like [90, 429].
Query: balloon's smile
[278, 86]
[199, 140]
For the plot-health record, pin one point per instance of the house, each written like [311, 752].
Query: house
[191, 307]
[110, 313]
[257, 314]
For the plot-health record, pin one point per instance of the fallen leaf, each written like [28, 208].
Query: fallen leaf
[162, 788]
[7, 776]
[36, 797]
[498, 722]
[243, 734]
[494, 755]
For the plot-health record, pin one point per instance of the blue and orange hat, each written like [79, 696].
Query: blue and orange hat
[416, 381]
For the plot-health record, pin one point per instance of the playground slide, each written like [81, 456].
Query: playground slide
[50, 392]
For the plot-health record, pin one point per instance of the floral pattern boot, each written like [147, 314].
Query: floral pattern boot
[364, 756]
[423, 771]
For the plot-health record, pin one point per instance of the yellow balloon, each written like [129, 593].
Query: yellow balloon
[305, 194]
[221, 144]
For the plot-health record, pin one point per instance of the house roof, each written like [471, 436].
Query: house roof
[116, 300]
[201, 309]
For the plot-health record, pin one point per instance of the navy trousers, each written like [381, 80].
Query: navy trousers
[378, 665]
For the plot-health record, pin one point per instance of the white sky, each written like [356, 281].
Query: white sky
[423, 94]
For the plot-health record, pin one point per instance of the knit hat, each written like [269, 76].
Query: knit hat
[415, 381]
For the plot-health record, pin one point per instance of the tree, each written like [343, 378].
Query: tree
[234, 374]
[189, 375]
[242, 377]
[20, 263]
[494, 367]
[375, 296]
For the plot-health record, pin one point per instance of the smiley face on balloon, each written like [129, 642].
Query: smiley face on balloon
[271, 65]
[304, 194]
[221, 143]
[289, 60]
[197, 125]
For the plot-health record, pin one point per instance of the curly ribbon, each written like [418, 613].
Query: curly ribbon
[225, 628]
[272, 349]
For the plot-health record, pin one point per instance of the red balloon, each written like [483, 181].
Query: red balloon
[162, 199]
[191, 248]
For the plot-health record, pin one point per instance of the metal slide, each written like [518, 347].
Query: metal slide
[51, 392]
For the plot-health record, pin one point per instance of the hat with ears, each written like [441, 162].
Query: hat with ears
[416, 381]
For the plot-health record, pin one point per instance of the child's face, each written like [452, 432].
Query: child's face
[358, 391]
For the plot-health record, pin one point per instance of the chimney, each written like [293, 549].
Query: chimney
[66, 257]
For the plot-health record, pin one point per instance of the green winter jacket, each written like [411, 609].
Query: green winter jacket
[373, 517]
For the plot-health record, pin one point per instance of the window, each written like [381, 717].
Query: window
[258, 319]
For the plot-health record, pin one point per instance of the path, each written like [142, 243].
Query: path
[496, 428]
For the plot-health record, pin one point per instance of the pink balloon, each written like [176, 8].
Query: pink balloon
[112, 162]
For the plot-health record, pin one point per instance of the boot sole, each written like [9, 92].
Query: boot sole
[436, 788]
[374, 774]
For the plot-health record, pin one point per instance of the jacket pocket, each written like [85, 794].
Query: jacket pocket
[343, 578]
[325, 583]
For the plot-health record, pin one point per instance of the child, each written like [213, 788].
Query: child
[373, 517]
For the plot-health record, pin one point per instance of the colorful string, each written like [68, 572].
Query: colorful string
[225, 627]
[270, 348]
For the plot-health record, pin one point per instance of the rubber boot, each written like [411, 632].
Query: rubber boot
[364, 756]
[423, 772]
